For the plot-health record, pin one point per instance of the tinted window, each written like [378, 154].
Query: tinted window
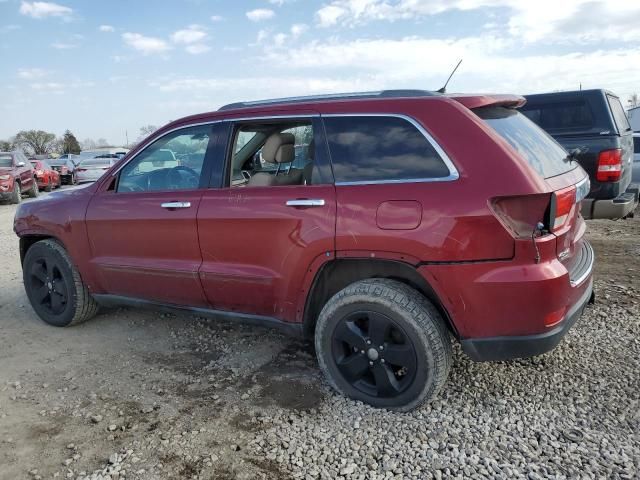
[533, 144]
[6, 161]
[380, 148]
[173, 162]
[618, 114]
[561, 115]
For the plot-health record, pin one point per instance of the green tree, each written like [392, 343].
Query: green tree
[70, 143]
[36, 142]
[7, 145]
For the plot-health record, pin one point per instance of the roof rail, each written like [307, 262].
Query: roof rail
[332, 96]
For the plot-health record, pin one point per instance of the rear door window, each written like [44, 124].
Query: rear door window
[533, 144]
[381, 149]
[618, 114]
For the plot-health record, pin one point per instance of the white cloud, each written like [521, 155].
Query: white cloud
[63, 46]
[197, 48]
[541, 20]
[31, 73]
[191, 34]
[45, 9]
[216, 18]
[106, 28]
[146, 45]
[260, 14]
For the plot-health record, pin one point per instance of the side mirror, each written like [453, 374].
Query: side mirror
[20, 164]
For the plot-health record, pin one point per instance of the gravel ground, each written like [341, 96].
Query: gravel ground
[137, 394]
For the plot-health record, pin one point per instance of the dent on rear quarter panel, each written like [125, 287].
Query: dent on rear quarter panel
[61, 215]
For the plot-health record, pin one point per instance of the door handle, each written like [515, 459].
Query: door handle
[171, 205]
[306, 202]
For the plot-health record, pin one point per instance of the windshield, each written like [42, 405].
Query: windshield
[6, 161]
[534, 145]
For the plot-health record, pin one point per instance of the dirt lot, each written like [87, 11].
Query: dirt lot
[137, 394]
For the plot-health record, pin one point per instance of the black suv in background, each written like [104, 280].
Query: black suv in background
[593, 127]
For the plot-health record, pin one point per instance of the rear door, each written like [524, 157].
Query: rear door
[142, 226]
[259, 241]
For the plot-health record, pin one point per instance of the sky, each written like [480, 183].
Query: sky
[103, 69]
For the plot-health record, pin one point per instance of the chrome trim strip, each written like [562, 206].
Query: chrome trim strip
[149, 142]
[453, 171]
[271, 117]
[587, 272]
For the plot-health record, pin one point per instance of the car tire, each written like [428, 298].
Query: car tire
[54, 286]
[383, 343]
[16, 196]
[33, 191]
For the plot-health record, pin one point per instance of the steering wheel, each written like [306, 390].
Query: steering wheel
[173, 175]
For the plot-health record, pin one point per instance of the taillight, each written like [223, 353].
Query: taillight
[562, 201]
[520, 214]
[609, 165]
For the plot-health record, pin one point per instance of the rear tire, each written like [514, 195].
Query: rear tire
[16, 197]
[383, 343]
[33, 191]
[54, 286]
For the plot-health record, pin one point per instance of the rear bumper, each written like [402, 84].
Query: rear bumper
[508, 348]
[619, 207]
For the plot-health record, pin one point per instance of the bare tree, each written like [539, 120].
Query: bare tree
[88, 144]
[36, 142]
[145, 131]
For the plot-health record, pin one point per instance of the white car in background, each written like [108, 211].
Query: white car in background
[92, 169]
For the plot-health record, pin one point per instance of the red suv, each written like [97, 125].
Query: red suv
[16, 177]
[379, 224]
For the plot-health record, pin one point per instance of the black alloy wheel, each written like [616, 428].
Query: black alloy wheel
[374, 354]
[48, 286]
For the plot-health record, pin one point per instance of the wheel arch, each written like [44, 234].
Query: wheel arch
[27, 241]
[337, 274]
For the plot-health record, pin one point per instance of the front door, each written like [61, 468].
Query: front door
[142, 227]
[273, 216]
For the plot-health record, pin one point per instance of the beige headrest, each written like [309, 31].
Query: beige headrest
[279, 148]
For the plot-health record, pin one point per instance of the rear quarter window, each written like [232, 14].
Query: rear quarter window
[534, 145]
[381, 149]
[622, 123]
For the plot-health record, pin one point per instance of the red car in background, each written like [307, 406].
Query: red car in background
[46, 177]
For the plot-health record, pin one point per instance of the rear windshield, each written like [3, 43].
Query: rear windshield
[536, 146]
[6, 161]
[573, 115]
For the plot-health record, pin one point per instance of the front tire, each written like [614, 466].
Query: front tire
[16, 196]
[382, 342]
[54, 286]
